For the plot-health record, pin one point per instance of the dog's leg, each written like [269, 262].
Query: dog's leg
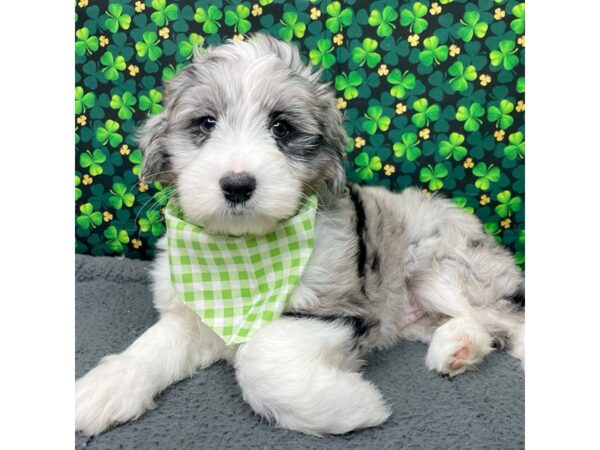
[302, 373]
[461, 341]
[472, 326]
[123, 386]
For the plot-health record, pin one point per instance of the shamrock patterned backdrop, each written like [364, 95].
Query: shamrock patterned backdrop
[433, 95]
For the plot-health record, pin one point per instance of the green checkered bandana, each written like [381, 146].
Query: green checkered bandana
[238, 284]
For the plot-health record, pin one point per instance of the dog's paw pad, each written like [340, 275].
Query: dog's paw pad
[459, 359]
[463, 353]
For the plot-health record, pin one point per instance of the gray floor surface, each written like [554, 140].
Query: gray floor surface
[476, 410]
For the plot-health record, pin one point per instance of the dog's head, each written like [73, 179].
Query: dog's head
[247, 131]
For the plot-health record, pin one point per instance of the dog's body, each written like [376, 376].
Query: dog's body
[384, 267]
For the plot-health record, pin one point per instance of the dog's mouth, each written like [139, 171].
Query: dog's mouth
[238, 209]
[237, 219]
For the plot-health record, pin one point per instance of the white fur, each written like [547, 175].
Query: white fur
[302, 374]
[458, 345]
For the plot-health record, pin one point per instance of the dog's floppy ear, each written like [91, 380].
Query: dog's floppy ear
[151, 135]
[334, 138]
[155, 164]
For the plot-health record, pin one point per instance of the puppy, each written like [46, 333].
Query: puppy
[384, 266]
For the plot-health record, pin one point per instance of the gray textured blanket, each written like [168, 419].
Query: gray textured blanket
[476, 410]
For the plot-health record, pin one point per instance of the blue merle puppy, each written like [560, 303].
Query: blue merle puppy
[385, 266]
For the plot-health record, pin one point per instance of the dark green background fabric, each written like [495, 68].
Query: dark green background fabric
[433, 94]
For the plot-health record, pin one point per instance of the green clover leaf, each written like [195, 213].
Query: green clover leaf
[322, 54]
[348, 84]
[401, 82]
[501, 114]
[78, 192]
[521, 85]
[113, 65]
[93, 161]
[471, 116]
[461, 76]
[425, 113]
[163, 12]
[153, 223]
[116, 18]
[151, 102]
[461, 202]
[108, 134]
[149, 46]
[89, 217]
[210, 18]
[493, 229]
[505, 55]
[123, 105]
[433, 52]
[162, 196]
[384, 21]
[375, 120]
[186, 48]
[414, 18]
[136, 159]
[453, 148]
[85, 43]
[115, 238]
[366, 53]
[434, 176]
[120, 196]
[349, 145]
[516, 147]
[409, 147]
[519, 257]
[486, 175]
[291, 27]
[518, 24]
[508, 204]
[83, 101]
[237, 18]
[170, 71]
[339, 18]
[521, 238]
[367, 165]
[472, 26]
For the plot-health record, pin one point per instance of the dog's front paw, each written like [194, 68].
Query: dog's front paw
[109, 395]
[456, 346]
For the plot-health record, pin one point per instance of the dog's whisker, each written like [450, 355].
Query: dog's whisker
[314, 192]
[152, 176]
[169, 191]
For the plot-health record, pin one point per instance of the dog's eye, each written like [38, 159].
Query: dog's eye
[207, 123]
[280, 129]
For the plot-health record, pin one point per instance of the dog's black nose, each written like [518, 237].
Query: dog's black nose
[237, 187]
